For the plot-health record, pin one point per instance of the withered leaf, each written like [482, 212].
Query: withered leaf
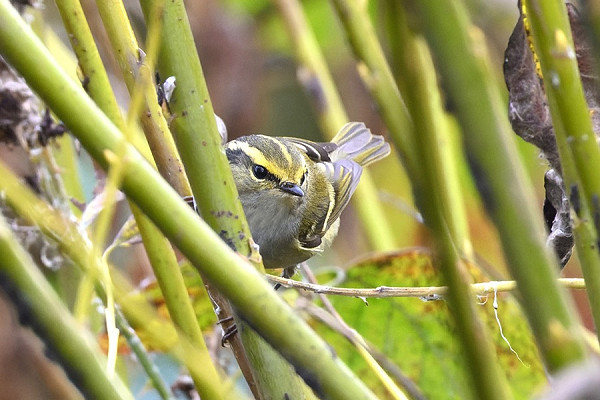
[530, 117]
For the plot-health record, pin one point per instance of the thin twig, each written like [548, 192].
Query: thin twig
[333, 323]
[312, 279]
[426, 293]
[356, 339]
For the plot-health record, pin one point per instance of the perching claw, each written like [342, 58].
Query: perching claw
[287, 273]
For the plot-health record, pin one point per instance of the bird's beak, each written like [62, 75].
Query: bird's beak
[291, 188]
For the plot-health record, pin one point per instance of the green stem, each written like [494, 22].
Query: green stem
[156, 129]
[437, 197]
[195, 131]
[96, 82]
[77, 248]
[95, 78]
[192, 112]
[459, 50]
[160, 252]
[378, 78]
[57, 324]
[199, 142]
[586, 238]
[242, 284]
[442, 206]
[575, 137]
[332, 117]
[432, 133]
[142, 356]
[554, 45]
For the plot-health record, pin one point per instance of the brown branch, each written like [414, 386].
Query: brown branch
[426, 293]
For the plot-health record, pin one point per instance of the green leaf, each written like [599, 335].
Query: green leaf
[418, 335]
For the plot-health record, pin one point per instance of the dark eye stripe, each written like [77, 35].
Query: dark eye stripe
[253, 150]
[262, 173]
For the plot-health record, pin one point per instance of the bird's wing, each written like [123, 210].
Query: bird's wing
[344, 176]
[355, 141]
[318, 152]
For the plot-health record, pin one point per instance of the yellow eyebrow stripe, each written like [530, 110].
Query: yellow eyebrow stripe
[258, 157]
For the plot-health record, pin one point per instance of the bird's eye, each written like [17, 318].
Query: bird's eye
[259, 171]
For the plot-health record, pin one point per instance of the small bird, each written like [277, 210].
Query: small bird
[294, 190]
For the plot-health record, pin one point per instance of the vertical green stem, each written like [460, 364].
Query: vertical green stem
[575, 137]
[442, 206]
[433, 134]
[198, 140]
[243, 285]
[195, 131]
[95, 78]
[554, 44]
[130, 60]
[459, 51]
[59, 327]
[160, 252]
[437, 196]
[332, 117]
[378, 77]
[488, 381]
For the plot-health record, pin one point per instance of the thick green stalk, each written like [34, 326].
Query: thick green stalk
[554, 45]
[199, 143]
[156, 129]
[161, 254]
[67, 337]
[439, 201]
[195, 130]
[425, 105]
[95, 79]
[586, 238]
[77, 248]
[459, 51]
[91, 66]
[242, 284]
[573, 130]
[417, 83]
[332, 117]
[442, 205]
[378, 78]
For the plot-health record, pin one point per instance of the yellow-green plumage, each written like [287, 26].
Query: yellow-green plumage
[293, 190]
